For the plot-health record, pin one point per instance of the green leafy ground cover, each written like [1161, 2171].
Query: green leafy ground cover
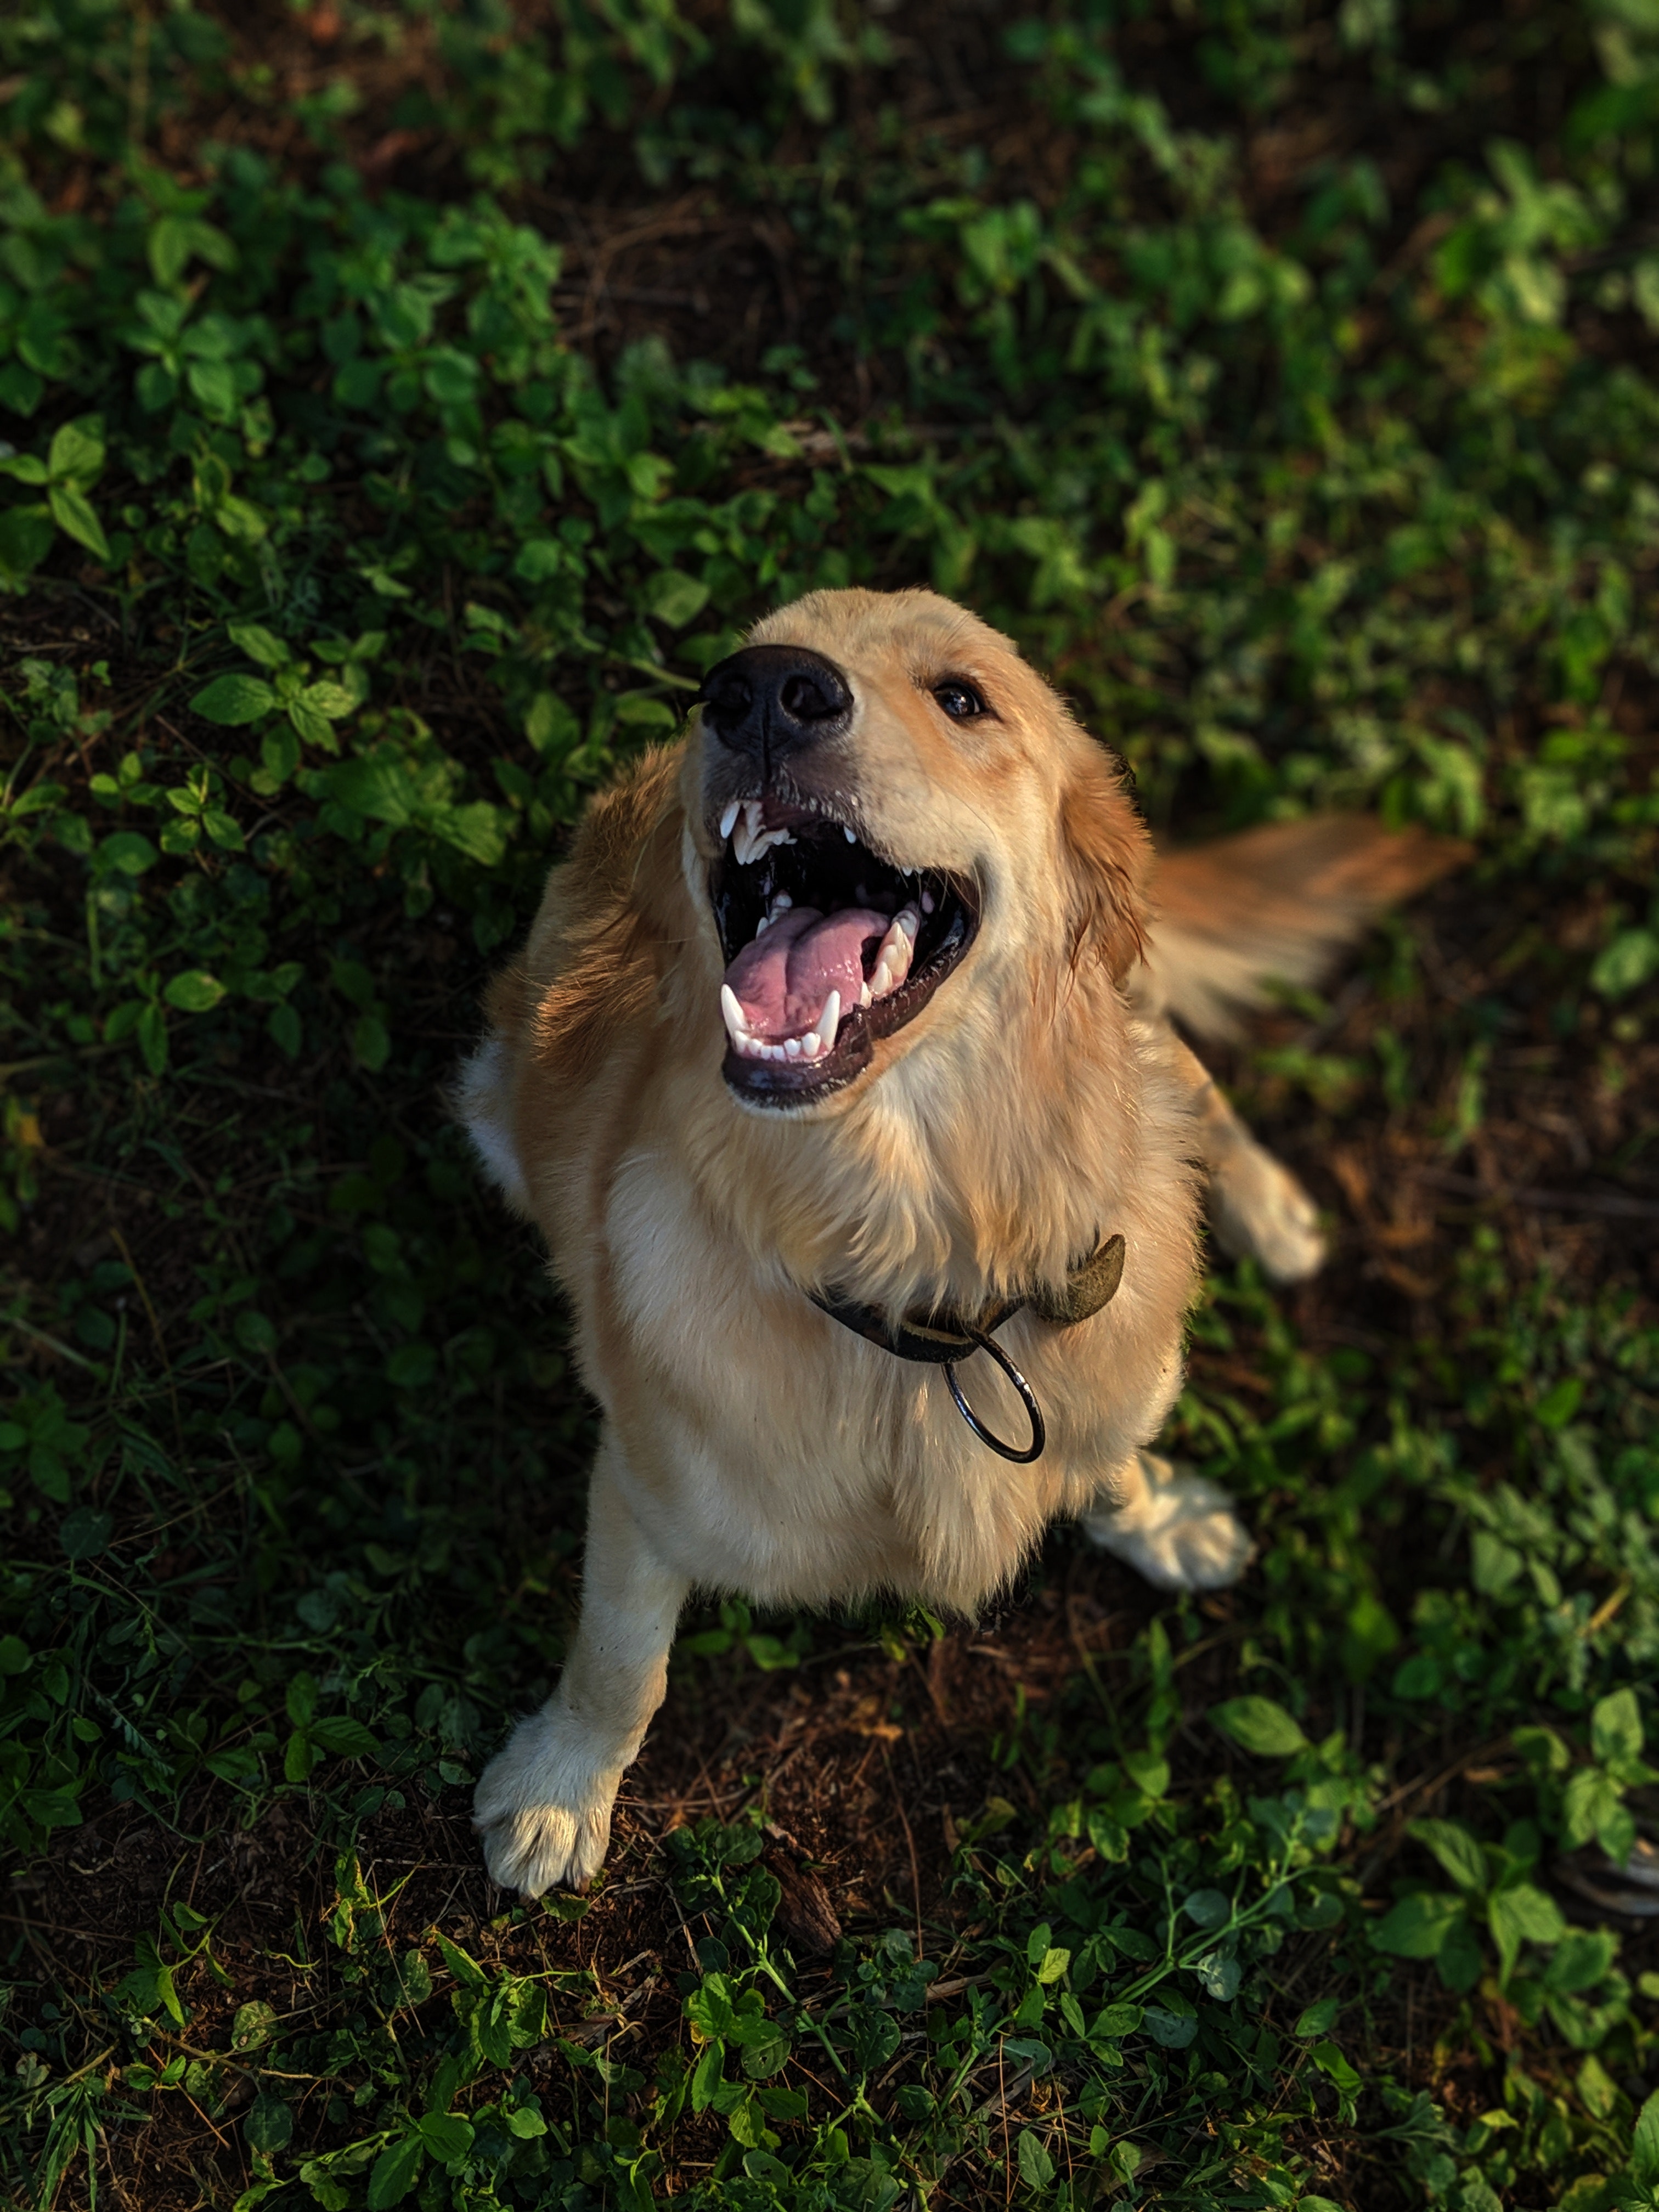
[402, 405]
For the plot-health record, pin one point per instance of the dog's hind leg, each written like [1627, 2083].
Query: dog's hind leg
[1178, 1530]
[1257, 1209]
[543, 1801]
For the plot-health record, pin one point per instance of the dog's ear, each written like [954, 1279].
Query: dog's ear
[1109, 856]
[609, 917]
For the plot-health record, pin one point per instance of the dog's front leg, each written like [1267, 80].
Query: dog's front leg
[544, 1802]
[1180, 1531]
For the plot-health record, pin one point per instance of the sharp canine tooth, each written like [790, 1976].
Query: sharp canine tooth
[927, 902]
[733, 808]
[737, 1025]
[851, 839]
[866, 995]
[829, 1023]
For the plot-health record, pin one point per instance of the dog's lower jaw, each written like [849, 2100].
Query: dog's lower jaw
[1177, 1530]
[543, 1806]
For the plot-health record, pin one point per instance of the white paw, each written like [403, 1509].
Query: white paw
[1259, 1210]
[542, 1806]
[1182, 1532]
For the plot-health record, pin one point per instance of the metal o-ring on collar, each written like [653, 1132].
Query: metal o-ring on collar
[1039, 1434]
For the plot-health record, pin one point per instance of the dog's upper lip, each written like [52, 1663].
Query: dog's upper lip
[779, 809]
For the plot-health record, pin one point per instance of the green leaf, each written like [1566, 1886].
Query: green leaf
[1590, 1800]
[254, 2025]
[14, 1656]
[1417, 1925]
[709, 2009]
[446, 2135]
[151, 1030]
[673, 598]
[1207, 1908]
[1330, 2061]
[269, 2124]
[1459, 1854]
[371, 1043]
[345, 1737]
[1036, 2169]
[258, 643]
[1644, 2144]
[1625, 963]
[1559, 1405]
[395, 2172]
[195, 992]
[1616, 1729]
[1597, 2088]
[299, 1756]
[705, 2077]
[233, 700]
[331, 700]
[127, 853]
[72, 512]
[1259, 1726]
[466, 1971]
[283, 1028]
[85, 1533]
[301, 1700]
[76, 456]
[1317, 2018]
[1522, 1914]
[175, 239]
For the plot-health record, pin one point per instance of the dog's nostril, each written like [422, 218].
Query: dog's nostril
[804, 700]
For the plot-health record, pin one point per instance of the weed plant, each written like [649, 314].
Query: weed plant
[1282, 375]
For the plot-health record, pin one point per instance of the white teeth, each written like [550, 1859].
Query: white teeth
[781, 904]
[847, 833]
[750, 837]
[814, 1045]
[733, 808]
[894, 953]
[760, 926]
[927, 902]
[866, 995]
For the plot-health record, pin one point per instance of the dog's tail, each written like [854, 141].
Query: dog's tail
[1274, 903]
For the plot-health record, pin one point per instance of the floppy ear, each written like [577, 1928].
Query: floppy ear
[1108, 855]
[593, 959]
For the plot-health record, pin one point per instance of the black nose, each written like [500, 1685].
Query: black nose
[771, 700]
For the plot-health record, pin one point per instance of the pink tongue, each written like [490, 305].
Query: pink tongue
[782, 979]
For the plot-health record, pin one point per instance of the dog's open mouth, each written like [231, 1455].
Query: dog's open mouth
[828, 946]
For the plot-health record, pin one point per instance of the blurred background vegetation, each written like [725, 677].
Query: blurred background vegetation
[401, 402]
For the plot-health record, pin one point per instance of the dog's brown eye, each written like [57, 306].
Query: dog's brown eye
[959, 701]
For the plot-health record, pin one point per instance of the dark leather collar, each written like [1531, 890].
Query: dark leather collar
[943, 1336]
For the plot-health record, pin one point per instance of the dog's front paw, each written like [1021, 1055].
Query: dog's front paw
[1259, 1210]
[542, 1806]
[1181, 1532]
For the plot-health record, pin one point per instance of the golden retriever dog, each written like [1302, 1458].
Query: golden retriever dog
[838, 1073]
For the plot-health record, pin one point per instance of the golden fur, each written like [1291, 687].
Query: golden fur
[1039, 1102]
